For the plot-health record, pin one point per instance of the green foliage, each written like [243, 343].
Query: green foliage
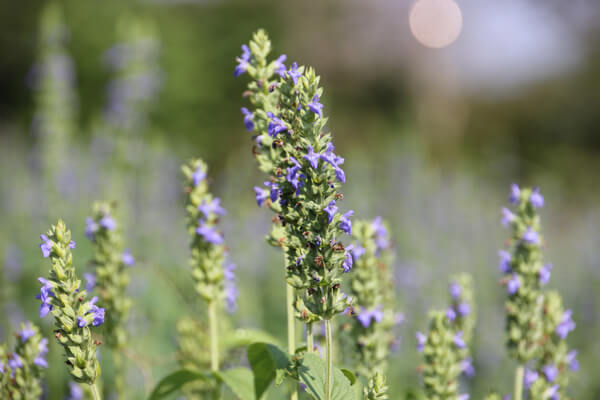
[312, 371]
[377, 389]
[174, 382]
[239, 380]
[268, 362]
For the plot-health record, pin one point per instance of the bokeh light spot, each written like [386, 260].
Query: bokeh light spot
[435, 23]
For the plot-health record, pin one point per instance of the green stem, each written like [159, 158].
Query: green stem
[119, 374]
[329, 344]
[291, 328]
[310, 344]
[519, 382]
[214, 339]
[95, 392]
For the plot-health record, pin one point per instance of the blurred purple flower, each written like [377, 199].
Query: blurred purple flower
[231, 291]
[209, 233]
[464, 309]
[108, 222]
[294, 73]
[242, 61]
[26, 333]
[571, 359]
[275, 125]
[312, 157]
[537, 200]
[451, 314]
[315, 106]
[530, 236]
[274, 190]
[280, 66]
[358, 251]
[459, 341]
[261, 196]
[213, 207]
[331, 209]
[504, 265]
[515, 194]
[91, 227]
[75, 391]
[551, 372]
[513, 284]
[198, 176]
[421, 341]
[90, 281]
[529, 377]
[44, 296]
[455, 290]
[545, 273]
[127, 258]
[46, 246]
[345, 223]
[366, 317]
[467, 368]
[348, 261]
[248, 119]
[507, 216]
[566, 324]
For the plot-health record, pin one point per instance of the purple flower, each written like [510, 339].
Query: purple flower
[47, 246]
[1, 368]
[536, 199]
[72, 244]
[98, 313]
[294, 73]
[340, 174]
[504, 265]
[44, 296]
[467, 368]
[261, 196]
[507, 216]
[345, 223]
[566, 324]
[275, 125]
[299, 260]
[242, 62]
[551, 372]
[127, 258]
[455, 290]
[545, 273]
[274, 192]
[312, 157]
[571, 359]
[280, 66]
[213, 206]
[331, 209]
[293, 177]
[91, 227]
[14, 362]
[90, 281]
[231, 292]
[552, 393]
[209, 233]
[248, 119]
[464, 396]
[459, 341]
[513, 284]
[315, 106]
[26, 333]
[76, 392]
[515, 194]
[421, 341]
[451, 314]
[530, 236]
[366, 317]
[529, 377]
[464, 309]
[358, 251]
[198, 176]
[348, 261]
[81, 322]
[107, 222]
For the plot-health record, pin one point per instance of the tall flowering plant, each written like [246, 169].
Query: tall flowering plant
[304, 178]
[63, 296]
[537, 325]
[372, 289]
[214, 278]
[111, 262]
[22, 371]
[446, 346]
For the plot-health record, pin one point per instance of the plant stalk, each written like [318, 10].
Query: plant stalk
[291, 328]
[310, 344]
[329, 344]
[519, 382]
[95, 392]
[214, 338]
[119, 373]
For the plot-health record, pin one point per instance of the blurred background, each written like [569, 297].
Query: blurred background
[105, 100]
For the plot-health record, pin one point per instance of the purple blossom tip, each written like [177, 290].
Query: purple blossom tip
[72, 244]
[242, 61]
[536, 198]
[280, 66]
[504, 265]
[530, 377]
[331, 209]
[108, 223]
[209, 233]
[198, 176]
[455, 290]
[261, 196]
[349, 260]
[513, 284]
[507, 216]
[451, 314]
[571, 359]
[81, 322]
[530, 236]
[127, 258]
[26, 333]
[545, 273]
[248, 119]
[46, 246]
[345, 223]
[293, 73]
[464, 309]
[312, 157]
[459, 341]
[551, 372]
[366, 317]
[467, 368]
[566, 324]
[421, 341]
[515, 194]
[315, 106]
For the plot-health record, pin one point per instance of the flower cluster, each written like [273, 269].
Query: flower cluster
[446, 347]
[214, 279]
[372, 289]
[111, 264]
[376, 389]
[304, 176]
[538, 325]
[62, 296]
[524, 274]
[21, 371]
[53, 79]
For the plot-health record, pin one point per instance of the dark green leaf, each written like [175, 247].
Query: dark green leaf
[349, 374]
[267, 361]
[240, 381]
[174, 382]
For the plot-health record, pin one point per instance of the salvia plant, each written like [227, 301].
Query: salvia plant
[445, 347]
[304, 178]
[213, 275]
[372, 289]
[536, 323]
[63, 296]
[53, 80]
[22, 371]
[111, 262]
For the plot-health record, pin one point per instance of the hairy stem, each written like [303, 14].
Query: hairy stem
[95, 392]
[329, 344]
[214, 339]
[310, 344]
[291, 328]
[519, 382]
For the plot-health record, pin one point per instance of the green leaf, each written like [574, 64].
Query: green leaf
[240, 381]
[174, 382]
[267, 361]
[312, 370]
[245, 337]
[350, 375]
